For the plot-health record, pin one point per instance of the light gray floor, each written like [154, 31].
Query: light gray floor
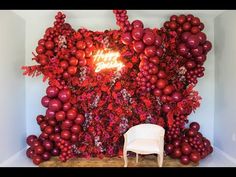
[216, 159]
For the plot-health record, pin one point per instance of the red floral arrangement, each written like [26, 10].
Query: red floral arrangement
[88, 112]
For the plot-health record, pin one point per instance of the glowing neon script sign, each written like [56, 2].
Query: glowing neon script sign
[105, 60]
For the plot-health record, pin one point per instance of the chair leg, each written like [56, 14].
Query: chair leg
[136, 157]
[125, 158]
[160, 159]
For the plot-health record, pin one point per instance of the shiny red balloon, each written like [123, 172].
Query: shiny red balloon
[195, 157]
[150, 51]
[161, 83]
[30, 153]
[46, 156]
[49, 45]
[48, 145]
[169, 148]
[137, 24]
[177, 153]
[186, 149]
[66, 124]
[158, 41]
[76, 129]
[45, 101]
[66, 134]
[39, 150]
[79, 120]
[71, 114]
[177, 96]
[64, 95]
[138, 46]
[55, 105]
[30, 139]
[50, 113]
[137, 33]
[60, 116]
[182, 49]
[126, 38]
[168, 89]
[185, 160]
[37, 160]
[193, 41]
[157, 92]
[52, 91]
[149, 38]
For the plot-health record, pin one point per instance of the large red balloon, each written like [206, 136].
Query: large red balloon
[195, 157]
[185, 160]
[55, 105]
[52, 91]
[149, 38]
[30, 139]
[137, 33]
[64, 95]
[138, 46]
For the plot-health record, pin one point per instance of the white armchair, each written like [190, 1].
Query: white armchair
[144, 139]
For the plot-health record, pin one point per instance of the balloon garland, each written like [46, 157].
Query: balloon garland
[89, 109]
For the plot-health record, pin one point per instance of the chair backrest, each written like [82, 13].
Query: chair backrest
[145, 131]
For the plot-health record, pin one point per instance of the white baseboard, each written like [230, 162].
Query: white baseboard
[227, 156]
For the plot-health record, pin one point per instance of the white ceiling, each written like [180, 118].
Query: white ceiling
[29, 14]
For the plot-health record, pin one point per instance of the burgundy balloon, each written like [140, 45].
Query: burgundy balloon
[207, 46]
[190, 64]
[55, 152]
[48, 145]
[66, 134]
[184, 160]
[52, 91]
[186, 149]
[66, 106]
[176, 142]
[157, 92]
[64, 95]
[194, 126]
[159, 52]
[46, 156]
[39, 150]
[60, 116]
[202, 37]
[177, 96]
[150, 51]
[71, 114]
[185, 36]
[182, 49]
[201, 58]
[76, 129]
[193, 41]
[30, 153]
[126, 38]
[45, 101]
[55, 105]
[66, 124]
[138, 46]
[137, 33]
[79, 120]
[169, 148]
[196, 52]
[137, 24]
[177, 153]
[149, 38]
[168, 89]
[30, 139]
[166, 108]
[37, 160]
[161, 83]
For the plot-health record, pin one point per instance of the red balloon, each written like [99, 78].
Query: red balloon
[66, 134]
[177, 153]
[137, 24]
[73, 61]
[60, 116]
[185, 160]
[81, 45]
[126, 38]
[153, 79]
[37, 160]
[186, 149]
[45, 101]
[190, 64]
[48, 145]
[149, 38]
[169, 148]
[150, 51]
[137, 33]
[80, 54]
[176, 142]
[157, 92]
[40, 119]
[195, 30]
[185, 36]
[197, 51]
[195, 21]
[49, 130]
[66, 106]
[30, 139]
[55, 105]
[52, 91]
[72, 70]
[161, 83]
[138, 46]
[195, 157]
[40, 49]
[79, 120]
[39, 150]
[186, 26]
[30, 153]
[49, 45]
[177, 96]
[195, 126]
[207, 46]
[76, 129]
[182, 49]
[191, 133]
[159, 52]
[154, 60]
[55, 152]
[172, 25]
[72, 114]
[181, 19]
[50, 113]
[202, 37]
[193, 41]
[46, 156]
[64, 95]
[166, 108]
[66, 124]
[168, 89]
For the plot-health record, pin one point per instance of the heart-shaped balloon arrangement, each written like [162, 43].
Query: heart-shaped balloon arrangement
[103, 83]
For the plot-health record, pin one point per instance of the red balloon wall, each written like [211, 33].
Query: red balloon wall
[88, 112]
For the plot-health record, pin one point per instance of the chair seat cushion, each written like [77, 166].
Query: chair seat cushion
[144, 146]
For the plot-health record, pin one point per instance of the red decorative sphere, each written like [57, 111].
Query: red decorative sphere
[166, 108]
[177, 153]
[71, 114]
[30, 139]
[161, 74]
[190, 64]
[158, 41]
[66, 134]
[79, 120]
[161, 83]
[186, 26]
[30, 153]
[159, 52]
[48, 145]
[186, 149]
[182, 49]
[154, 60]
[126, 38]
[193, 41]
[185, 160]
[73, 61]
[76, 129]
[66, 106]
[80, 54]
[39, 150]
[197, 51]
[66, 124]
[55, 152]
[169, 148]
[195, 157]
[191, 133]
[46, 156]
[64, 96]
[168, 89]
[150, 51]
[181, 19]
[176, 142]
[49, 130]
[40, 49]
[81, 45]
[60, 116]
[55, 105]
[50, 113]
[194, 126]
[49, 45]
[177, 96]
[137, 33]
[207, 46]
[138, 46]
[185, 36]
[52, 91]
[149, 38]
[37, 160]
[72, 70]
[40, 119]
[137, 24]
[45, 101]
[157, 92]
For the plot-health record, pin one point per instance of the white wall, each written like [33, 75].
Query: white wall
[225, 106]
[12, 89]
[38, 21]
